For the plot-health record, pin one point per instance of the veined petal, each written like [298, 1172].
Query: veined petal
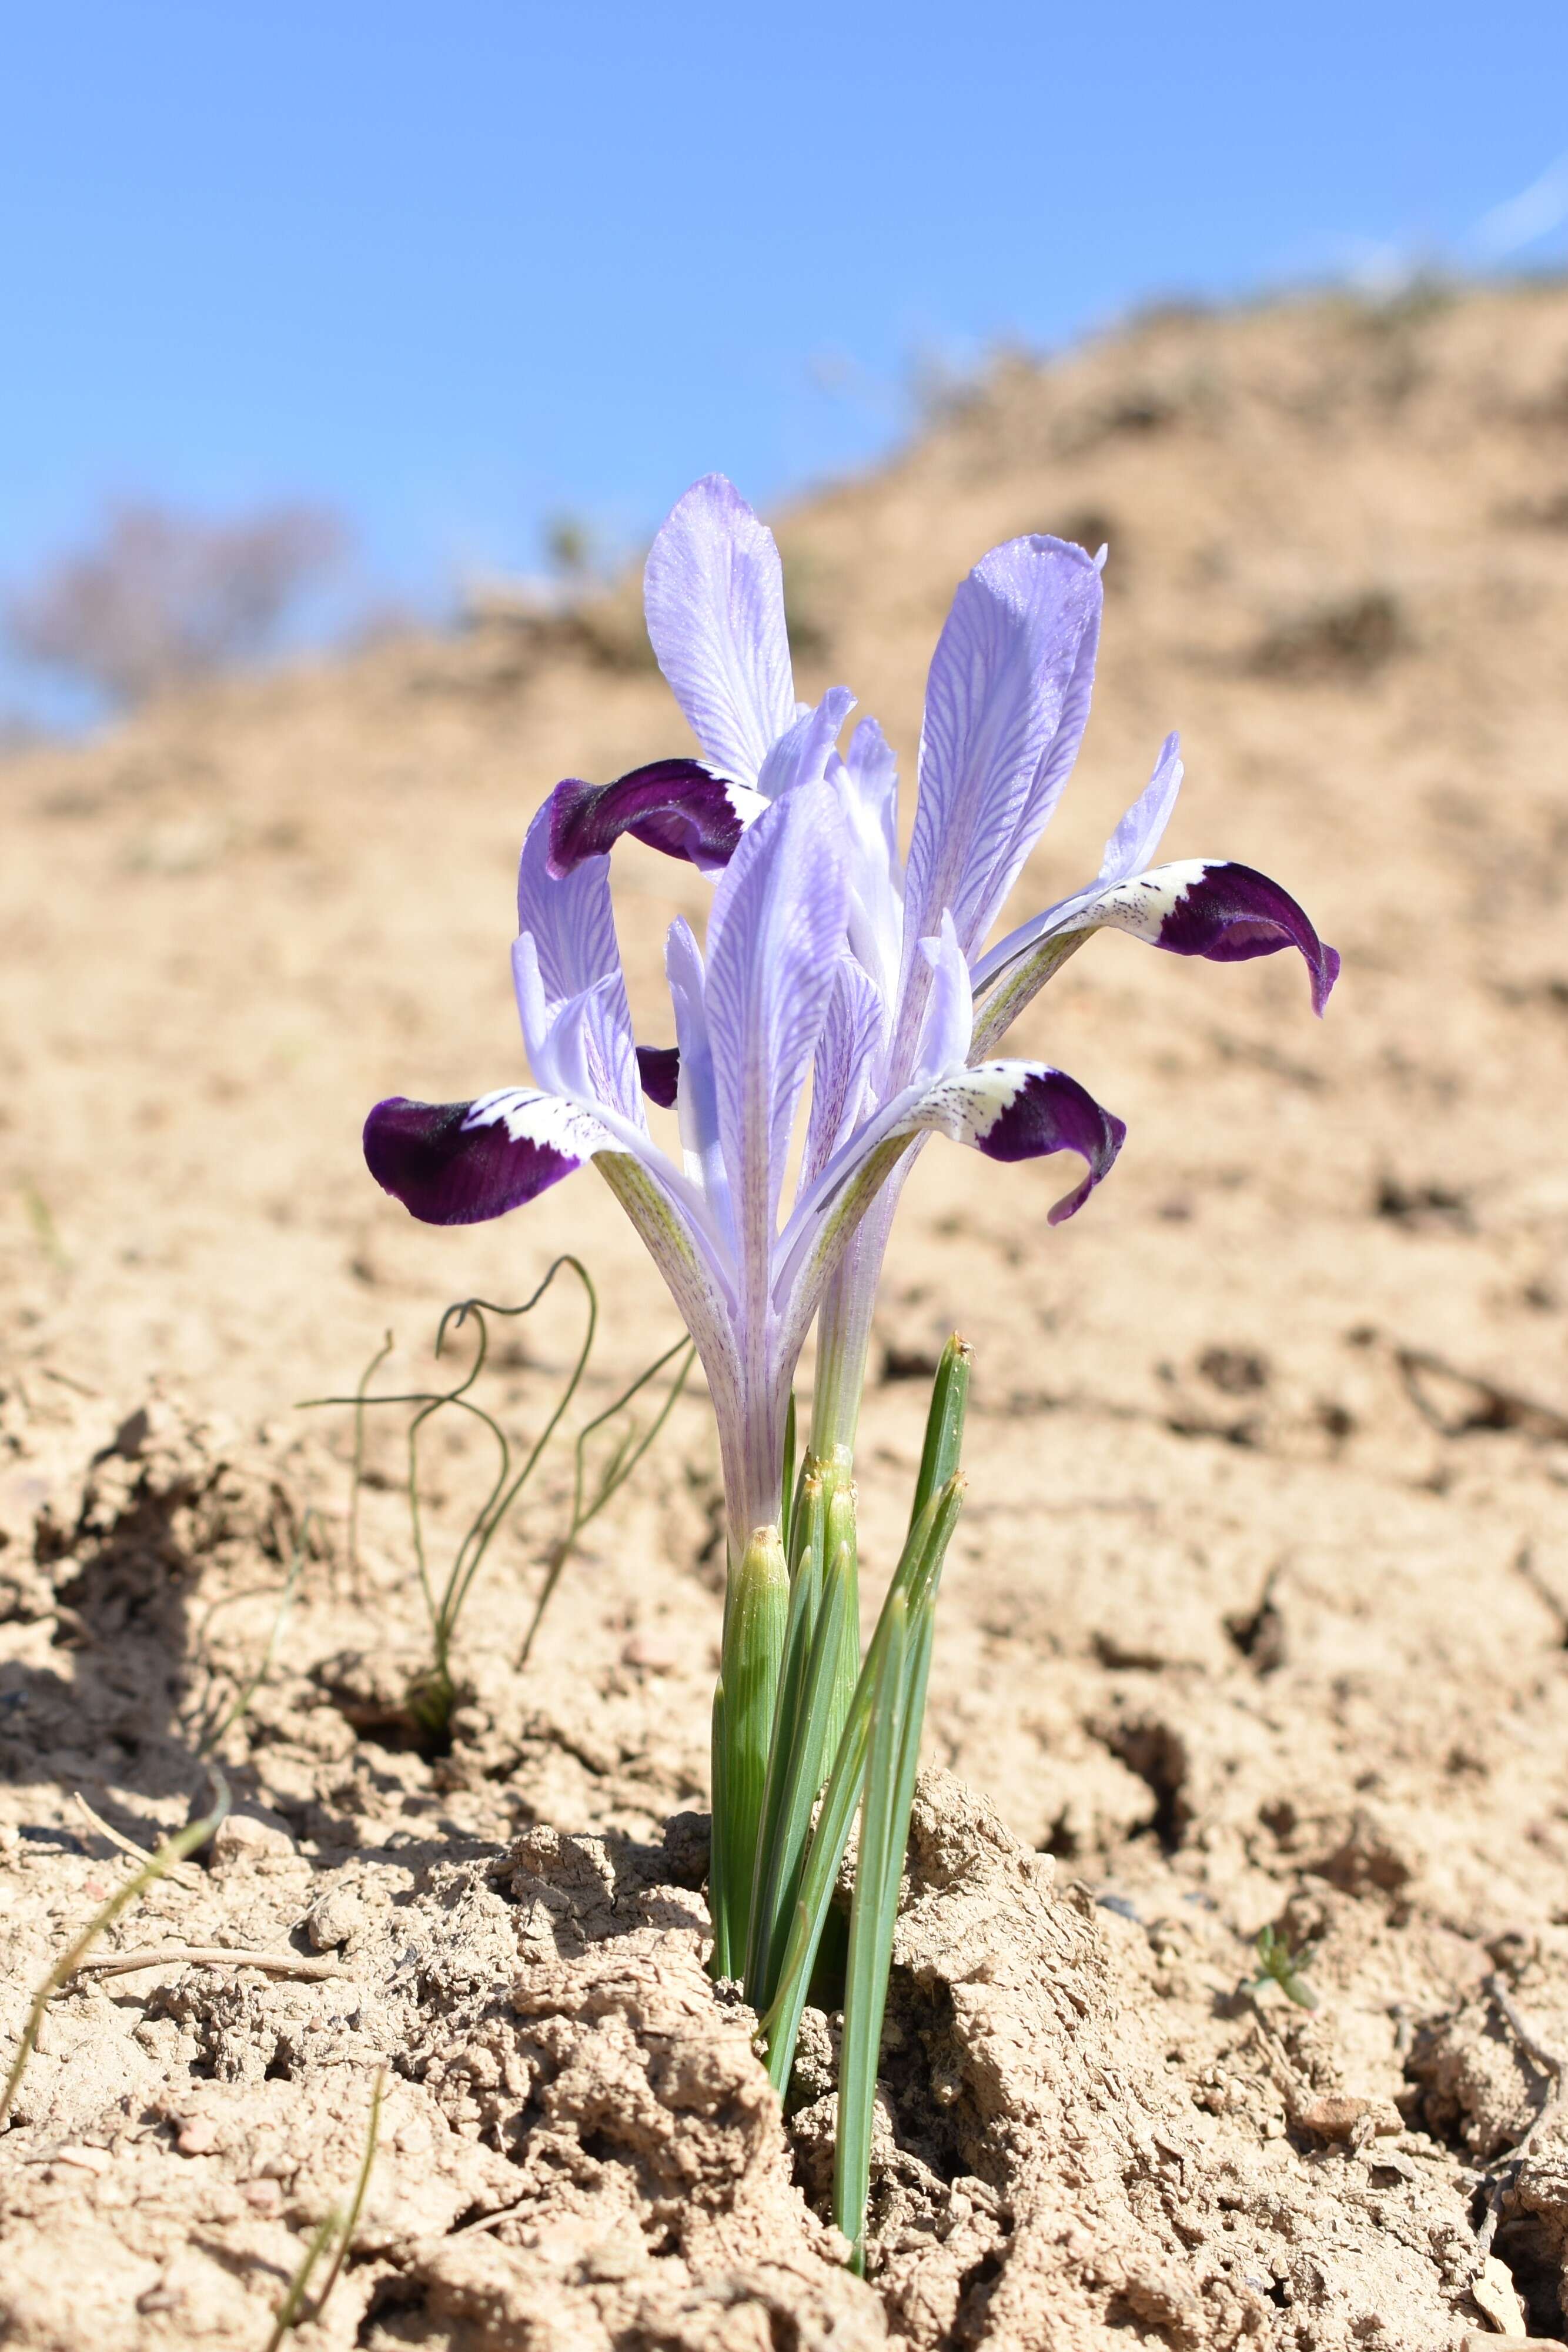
[566, 951]
[852, 1030]
[462, 1163]
[678, 806]
[659, 1067]
[1200, 907]
[949, 1021]
[774, 941]
[801, 754]
[867, 778]
[1005, 705]
[714, 595]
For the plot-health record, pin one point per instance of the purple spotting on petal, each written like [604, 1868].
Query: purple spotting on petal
[448, 1171]
[1051, 1112]
[677, 807]
[659, 1067]
[1231, 913]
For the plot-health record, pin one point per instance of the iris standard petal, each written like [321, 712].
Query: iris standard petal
[774, 941]
[713, 596]
[1006, 702]
[678, 806]
[462, 1163]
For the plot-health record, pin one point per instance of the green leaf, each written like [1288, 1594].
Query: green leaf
[756, 1622]
[865, 1982]
[917, 1576]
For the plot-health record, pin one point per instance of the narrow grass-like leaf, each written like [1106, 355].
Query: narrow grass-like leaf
[805, 1595]
[917, 1574]
[797, 1770]
[944, 1423]
[753, 1657]
[721, 1964]
[865, 1984]
[865, 1996]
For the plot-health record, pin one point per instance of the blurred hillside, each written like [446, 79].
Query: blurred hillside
[1339, 562]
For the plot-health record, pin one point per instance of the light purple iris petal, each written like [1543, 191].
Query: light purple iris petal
[1005, 705]
[659, 1067]
[852, 1032]
[1024, 1110]
[774, 940]
[463, 1163]
[574, 954]
[714, 595]
[1140, 831]
[677, 807]
[802, 753]
[1226, 912]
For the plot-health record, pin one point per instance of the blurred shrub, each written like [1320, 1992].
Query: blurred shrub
[162, 597]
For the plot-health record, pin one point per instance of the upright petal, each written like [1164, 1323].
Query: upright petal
[1005, 705]
[574, 954]
[463, 1163]
[677, 807]
[800, 755]
[852, 1031]
[774, 941]
[714, 595]
[1140, 831]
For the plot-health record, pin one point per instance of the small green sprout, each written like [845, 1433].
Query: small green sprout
[1279, 1965]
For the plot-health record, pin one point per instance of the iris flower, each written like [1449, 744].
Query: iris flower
[828, 961]
[796, 991]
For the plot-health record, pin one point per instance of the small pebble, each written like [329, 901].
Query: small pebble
[197, 2137]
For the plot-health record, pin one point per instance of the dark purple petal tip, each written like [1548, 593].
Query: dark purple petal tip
[659, 1068]
[462, 1163]
[677, 807]
[1042, 1111]
[1231, 913]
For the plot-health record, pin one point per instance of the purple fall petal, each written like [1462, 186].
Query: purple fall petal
[714, 595]
[1226, 912]
[462, 1163]
[1023, 1110]
[677, 807]
[659, 1067]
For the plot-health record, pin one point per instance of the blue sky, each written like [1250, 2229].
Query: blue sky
[456, 268]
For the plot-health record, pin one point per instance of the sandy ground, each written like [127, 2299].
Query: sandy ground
[1258, 1614]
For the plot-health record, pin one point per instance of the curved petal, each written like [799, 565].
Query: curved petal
[677, 807]
[1200, 907]
[1025, 1110]
[714, 595]
[1006, 703]
[462, 1163]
